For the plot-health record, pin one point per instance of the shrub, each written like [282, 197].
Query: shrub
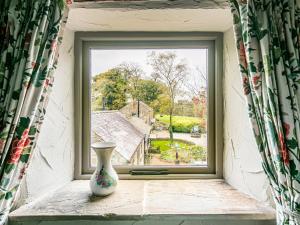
[183, 124]
[154, 150]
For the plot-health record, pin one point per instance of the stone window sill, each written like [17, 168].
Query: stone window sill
[187, 202]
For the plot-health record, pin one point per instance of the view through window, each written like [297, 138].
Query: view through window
[152, 103]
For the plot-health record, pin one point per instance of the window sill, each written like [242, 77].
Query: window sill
[147, 202]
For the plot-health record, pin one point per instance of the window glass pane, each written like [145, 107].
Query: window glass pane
[137, 93]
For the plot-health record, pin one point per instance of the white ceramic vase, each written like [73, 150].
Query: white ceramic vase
[104, 180]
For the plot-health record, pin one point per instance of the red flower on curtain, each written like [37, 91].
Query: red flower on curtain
[18, 147]
[256, 81]
[27, 40]
[242, 54]
[284, 152]
[22, 172]
[286, 128]
[246, 85]
[3, 30]
[53, 45]
[47, 82]
[2, 144]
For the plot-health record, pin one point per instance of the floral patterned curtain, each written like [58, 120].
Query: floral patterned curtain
[30, 32]
[268, 40]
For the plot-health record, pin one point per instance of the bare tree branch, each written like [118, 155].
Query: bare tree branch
[170, 71]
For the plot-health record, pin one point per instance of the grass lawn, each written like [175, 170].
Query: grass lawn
[164, 145]
[187, 152]
[182, 124]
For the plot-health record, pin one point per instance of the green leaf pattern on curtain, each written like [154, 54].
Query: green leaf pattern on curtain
[268, 42]
[30, 32]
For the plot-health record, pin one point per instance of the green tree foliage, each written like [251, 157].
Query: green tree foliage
[162, 104]
[149, 91]
[155, 94]
[109, 90]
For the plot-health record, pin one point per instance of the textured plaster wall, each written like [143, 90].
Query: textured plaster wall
[242, 164]
[97, 19]
[52, 164]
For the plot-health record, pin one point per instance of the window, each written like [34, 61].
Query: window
[132, 86]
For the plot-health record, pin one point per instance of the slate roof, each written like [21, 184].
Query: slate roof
[140, 125]
[113, 126]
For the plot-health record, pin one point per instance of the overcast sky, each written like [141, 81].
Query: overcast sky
[103, 60]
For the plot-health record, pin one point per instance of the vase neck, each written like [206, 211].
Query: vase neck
[103, 157]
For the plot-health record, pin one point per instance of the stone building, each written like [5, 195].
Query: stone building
[140, 110]
[113, 126]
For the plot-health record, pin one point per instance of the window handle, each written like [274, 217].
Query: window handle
[149, 172]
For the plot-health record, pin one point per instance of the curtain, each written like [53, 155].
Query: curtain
[268, 40]
[30, 33]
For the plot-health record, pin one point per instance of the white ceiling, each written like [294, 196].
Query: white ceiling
[87, 19]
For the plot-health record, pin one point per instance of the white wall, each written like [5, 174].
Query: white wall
[242, 163]
[52, 164]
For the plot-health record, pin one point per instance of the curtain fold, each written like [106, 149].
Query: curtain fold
[30, 33]
[268, 44]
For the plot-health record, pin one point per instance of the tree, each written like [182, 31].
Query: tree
[151, 92]
[197, 87]
[148, 90]
[196, 84]
[109, 90]
[96, 92]
[132, 73]
[171, 72]
[162, 104]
